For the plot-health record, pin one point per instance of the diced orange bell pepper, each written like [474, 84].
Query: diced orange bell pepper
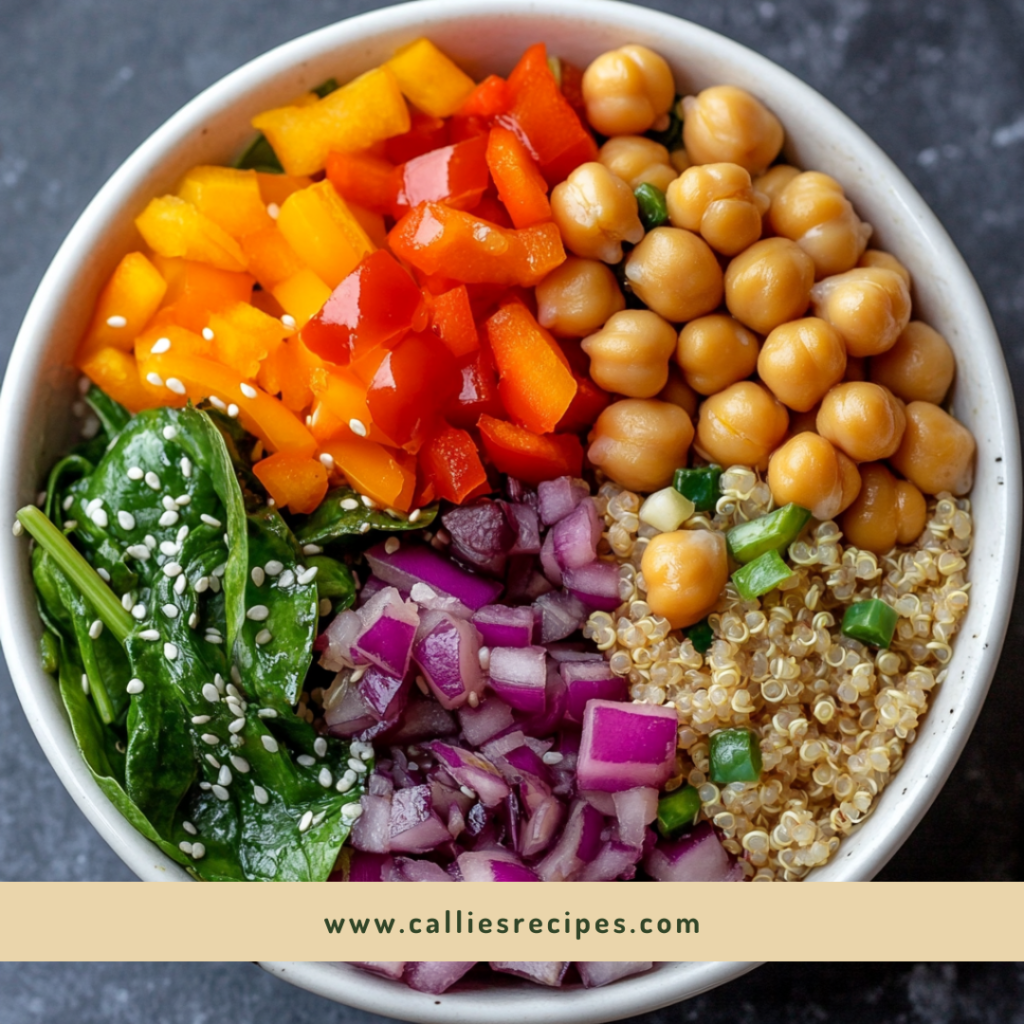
[363, 179]
[587, 404]
[490, 98]
[229, 197]
[266, 302]
[491, 209]
[351, 118]
[372, 223]
[536, 385]
[343, 396]
[243, 337]
[378, 472]
[302, 295]
[544, 119]
[166, 334]
[125, 305]
[478, 391]
[266, 417]
[374, 305]
[451, 462]
[454, 175]
[320, 228]
[276, 188]
[438, 239]
[425, 133]
[116, 373]
[521, 186]
[451, 319]
[462, 129]
[195, 290]
[527, 456]
[287, 371]
[271, 259]
[173, 227]
[430, 80]
[296, 481]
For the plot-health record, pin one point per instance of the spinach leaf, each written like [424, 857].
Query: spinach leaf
[259, 155]
[334, 582]
[112, 415]
[343, 515]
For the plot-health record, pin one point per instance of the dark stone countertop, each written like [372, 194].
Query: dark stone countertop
[938, 83]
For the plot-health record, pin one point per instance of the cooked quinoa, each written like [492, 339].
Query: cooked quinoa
[834, 716]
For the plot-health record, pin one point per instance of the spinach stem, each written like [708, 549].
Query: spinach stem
[79, 571]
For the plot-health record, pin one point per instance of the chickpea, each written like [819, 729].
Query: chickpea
[627, 90]
[630, 353]
[596, 212]
[919, 367]
[808, 471]
[715, 351]
[675, 273]
[678, 392]
[885, 260]
[639, 442]
[718, 201]
[863, 420]
[685, 572]
[637, 160]
[886, 511]
[937, 452]
[813, 211]
[800, 361]
[769, 283]
[576, 298]
[868, 306]
[775, 179]
[741, 425]
[726, 123]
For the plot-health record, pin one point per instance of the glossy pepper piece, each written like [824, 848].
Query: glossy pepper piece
[366, 110]
[230, 198]
[450, 461]
[117, 373]
[195, 290]
[587, 404]
[302, 296]
[477, 393]
[243, 336]
[341, 409]
[488, 99]
[362, 178]
[677, 811]
[530, 457]
[700, 485]
[536, 384]
[871, 622]
[761, 575]
[451, 319]
[125, 305]
[425, 133]
[773, 532]
[383, 474]
[287, 371]
[432, 81]
[172, 227]
[270, 258]
[439, 240]
[735, 756]
[374, 305]
[297, 482]
[455, 175]
[521, 186]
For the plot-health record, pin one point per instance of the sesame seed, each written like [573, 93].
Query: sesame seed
[552, 757]
[325, 606]
[135, 686]
[169, 503]
[258, 612]
[368, 501]
[168, 547]
[286, 579]
[273, 211]
[160, 346]
[232, 690]
[168, 519]
[473, 700]
[468, 792]
[236, 676]
[232, 410]
[237, 725]
[170, 610]
[193, 620]
[351, 811]
[484, 657]
[225, 778]
[392, 544]
[155, 379]
[181, 534]
[85, 684]
[180, 584]
[150, 634]
[247, 389]
[220, 793]
[70, 524]
[127, 601]
[209, 739]
[273, 567]
[306, 761]
[240, 763]
[152, 480]
[202, 585]
[204, 785]
[103, 575]
[198, 851]
[307, 575]
[258, 576]
[263, 637]
[344, 784]
[269, 744]
[215, 585]
[305, 821]
[267, 713]
[208, 334]
[210, 521]
[327, 460]
[185, 846]
[357, 427]
[366, 753]
[170, 651]
[186, 466]
[99, 517]
[170, 432]
[126, 520]
[415, 514]
[356, 765]
[349, 504]
[211, 693]
[134, 473]
[211, 638]
[117, 321]
[95, 629]
[288, 320]
[150, 541]
[67, 502]
[190, 828]
[212, 760]
[259, 794]
[172, 569]
[365, 528]
[139, 551]
[200, 719]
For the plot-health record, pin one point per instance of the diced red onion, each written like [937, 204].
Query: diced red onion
[614, 860]
[525, 523]
[447, 652]
[573, 651]
[541, 827]
[635, 809]
[550, 719]
[410, 870]
[385, 695]
[380, 785]
[373, 586]
[557, 498]
[482, 723]
[595, 584]
[494, 867]
[502, 626]
[524, 583]
[435, 977]
[371, 831]
[576, 536]
[550, 974]
[473, 771]
[386, 969]
[519, 675]
[366, 867]
[590, 680]
[341, 634]
[503, 744]
[389, 626]
[626, 745]
[579, 842]
[346, 713]
[422, 719]
[548, 561]
[697, 857]
[558, 615]
[414, 827]
[481, 534]
[594, 974]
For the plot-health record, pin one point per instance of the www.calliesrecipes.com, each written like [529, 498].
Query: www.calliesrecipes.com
[463, 923]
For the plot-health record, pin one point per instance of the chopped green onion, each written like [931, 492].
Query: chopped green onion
[871, 622]
[773, 532]
[672, 136]
[650, 201]
[735, 756]
[764, 573]
[677, 811]
[699, 485]
[49, 653]
[701, 635]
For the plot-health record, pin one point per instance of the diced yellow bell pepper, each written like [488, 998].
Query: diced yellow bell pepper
[261, 414]
[229, 197]
[243, 337]
[378, 472]
[287, 371]
[276, 188]
[372, 223]
[351, 118]
[429, 79]
[343, 395]
[319, 226]
[174, 337]
[195, 290]
[173, 227]
[271, 259]
[124, 307]
[116, 373]
[296, 481]
[302, 295]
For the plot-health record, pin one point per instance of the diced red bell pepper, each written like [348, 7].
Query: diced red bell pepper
[411, 385]
[455, 175]
[521, 186]
[490, 208]
[373, 306]
[461, 129]
[452, 321]
[451, 462]
[436, 239]
[544, 118]
[588, 403]
[478, 391]
[536, 385]
[363, 179]
[425, 133]
[490, 98]
[527, 456]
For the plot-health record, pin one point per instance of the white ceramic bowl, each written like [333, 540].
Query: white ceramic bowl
[488, 35]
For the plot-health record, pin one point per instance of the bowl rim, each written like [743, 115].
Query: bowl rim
[17, 612]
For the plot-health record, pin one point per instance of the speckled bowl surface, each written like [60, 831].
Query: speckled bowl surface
[36, 425]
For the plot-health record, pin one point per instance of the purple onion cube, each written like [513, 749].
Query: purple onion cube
[624, 746]
[576, 536]
[697, 857]
[596, 584]
[414, 826]
[590, 680]
[557, 498]
[501, 626]
[448, 654]
[519, 676]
